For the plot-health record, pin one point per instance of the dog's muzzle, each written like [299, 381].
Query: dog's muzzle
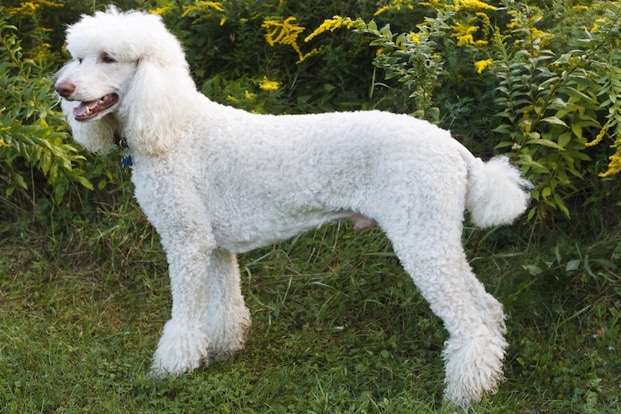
[86, 111]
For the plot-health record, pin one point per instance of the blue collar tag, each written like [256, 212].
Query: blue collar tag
[127, 161]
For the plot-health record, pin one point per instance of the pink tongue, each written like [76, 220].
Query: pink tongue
[81, 109]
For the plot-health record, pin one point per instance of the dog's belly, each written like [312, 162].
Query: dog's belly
[244, 236]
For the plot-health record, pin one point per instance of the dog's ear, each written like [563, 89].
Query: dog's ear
[96, 136]
[157, 105]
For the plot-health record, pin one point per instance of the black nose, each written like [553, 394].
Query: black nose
[64, 88]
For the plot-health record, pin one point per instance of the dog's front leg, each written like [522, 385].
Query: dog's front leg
[209, 318]
[185, 340]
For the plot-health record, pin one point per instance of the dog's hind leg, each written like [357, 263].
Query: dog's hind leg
[474, 352]
[488, 306]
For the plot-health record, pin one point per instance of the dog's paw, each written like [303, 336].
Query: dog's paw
[473, 368]
[181, 349]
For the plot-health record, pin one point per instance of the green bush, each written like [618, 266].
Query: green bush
[33, 141]
[551, 101]
[234, 47]
[43, 171]
[535, 80]
[550, 104]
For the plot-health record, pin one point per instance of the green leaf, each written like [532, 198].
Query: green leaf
[546, 143]
[560, 204]
[554, 120]
[565, 139]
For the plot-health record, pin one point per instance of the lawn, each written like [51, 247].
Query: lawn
[338, 327]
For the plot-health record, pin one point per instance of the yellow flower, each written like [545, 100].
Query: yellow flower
[513, 24]
[202, 8]
[331, 25]
[160, 11]
[28, 8]
[463, 32]
[484, 17]
[481, 65]
[472, 5]
[541, 35]
[598, 138]
[381, 10]
[395, 5]
[284, 32]
[268, 85]
[596, 24]
[217, 6]
[614, 166]
[414, 37]
[249, 96]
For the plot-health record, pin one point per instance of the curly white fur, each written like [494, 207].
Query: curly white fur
[215, 181]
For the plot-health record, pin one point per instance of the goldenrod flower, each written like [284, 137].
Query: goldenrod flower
[395, 5]
[463, 32]
[381, 10]
[541, 35]
[28, 8]
[414, 37]
[481, 65]
[614, 166]
[484, 17]
[331, 25]
[268, 85]
[596, 24]
[513, 24]
[217, 6]
[203, 7]
[472, 5]
[284, 32]
[430, 3]
[160, 11]
[598, 138]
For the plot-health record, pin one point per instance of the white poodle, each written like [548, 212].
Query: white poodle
[216, 181]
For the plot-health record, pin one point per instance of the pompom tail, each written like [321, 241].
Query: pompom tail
[497, 193]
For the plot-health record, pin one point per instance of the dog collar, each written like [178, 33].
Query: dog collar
[121, 142]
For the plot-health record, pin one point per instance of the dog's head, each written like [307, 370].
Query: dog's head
[127, 76]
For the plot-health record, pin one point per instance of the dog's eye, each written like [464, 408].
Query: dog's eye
[106, 58]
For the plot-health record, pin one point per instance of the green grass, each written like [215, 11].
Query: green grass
[337, 326]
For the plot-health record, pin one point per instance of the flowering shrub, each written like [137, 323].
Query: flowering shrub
[505, 77]
[551, 98]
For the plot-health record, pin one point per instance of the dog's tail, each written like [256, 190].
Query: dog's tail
[497, 193]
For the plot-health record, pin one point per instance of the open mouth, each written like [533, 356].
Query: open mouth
[86, 111]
